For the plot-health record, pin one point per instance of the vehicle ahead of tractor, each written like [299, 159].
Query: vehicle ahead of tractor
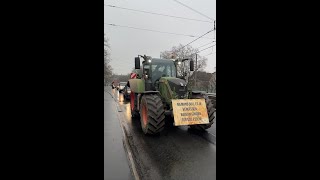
[154, 89]
[121, 86]
[126, 92]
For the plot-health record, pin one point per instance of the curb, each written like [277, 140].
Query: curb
[125, 140]
[110, 94]
[117, 105]
[127, 146]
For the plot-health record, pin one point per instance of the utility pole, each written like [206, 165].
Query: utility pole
[184, 70]
[195, 75]
[214, 28]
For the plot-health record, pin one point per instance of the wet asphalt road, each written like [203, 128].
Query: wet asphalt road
[115, 159]
[212, 130]
[178, 153]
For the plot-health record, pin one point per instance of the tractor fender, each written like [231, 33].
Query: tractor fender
[195, 94]
[198, 92]
[136, 85]
[139, 97]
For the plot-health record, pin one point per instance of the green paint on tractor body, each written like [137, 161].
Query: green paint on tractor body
[137, 85]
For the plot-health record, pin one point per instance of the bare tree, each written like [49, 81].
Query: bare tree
[185, 52]
[107, 67]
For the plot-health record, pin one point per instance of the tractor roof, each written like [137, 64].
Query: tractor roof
[162, 61]
[159, 60]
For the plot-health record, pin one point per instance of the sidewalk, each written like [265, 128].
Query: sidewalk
[115, 159]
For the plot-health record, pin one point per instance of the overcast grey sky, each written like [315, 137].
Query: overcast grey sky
[127, 43]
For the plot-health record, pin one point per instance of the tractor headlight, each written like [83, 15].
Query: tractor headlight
[149, 61]
[179, 62]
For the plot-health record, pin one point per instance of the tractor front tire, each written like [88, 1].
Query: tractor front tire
[152, 114]
[211, 110]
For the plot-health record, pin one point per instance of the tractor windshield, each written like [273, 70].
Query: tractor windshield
[162, 68]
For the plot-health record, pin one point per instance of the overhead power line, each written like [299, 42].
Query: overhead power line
[194, 10]
[197, 39]
[205, 49]
[208, 54]
[206, 44]
[156, 31]
[158, 14]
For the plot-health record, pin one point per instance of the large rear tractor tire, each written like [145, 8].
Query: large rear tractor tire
[152, 114]
[211, 110]
[133, 105]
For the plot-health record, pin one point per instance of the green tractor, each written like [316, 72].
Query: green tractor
[155, 88]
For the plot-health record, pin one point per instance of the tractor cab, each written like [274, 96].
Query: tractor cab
[153, 69]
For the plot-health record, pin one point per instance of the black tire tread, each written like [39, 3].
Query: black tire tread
[211, 110]
[155, 113]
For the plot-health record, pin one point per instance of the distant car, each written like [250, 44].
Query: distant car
[121, 86]
[126, 92]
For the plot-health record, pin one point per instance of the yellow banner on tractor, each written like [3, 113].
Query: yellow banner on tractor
[189, 111]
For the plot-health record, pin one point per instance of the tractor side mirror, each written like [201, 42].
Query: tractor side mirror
[191, 66]
[137, 63]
